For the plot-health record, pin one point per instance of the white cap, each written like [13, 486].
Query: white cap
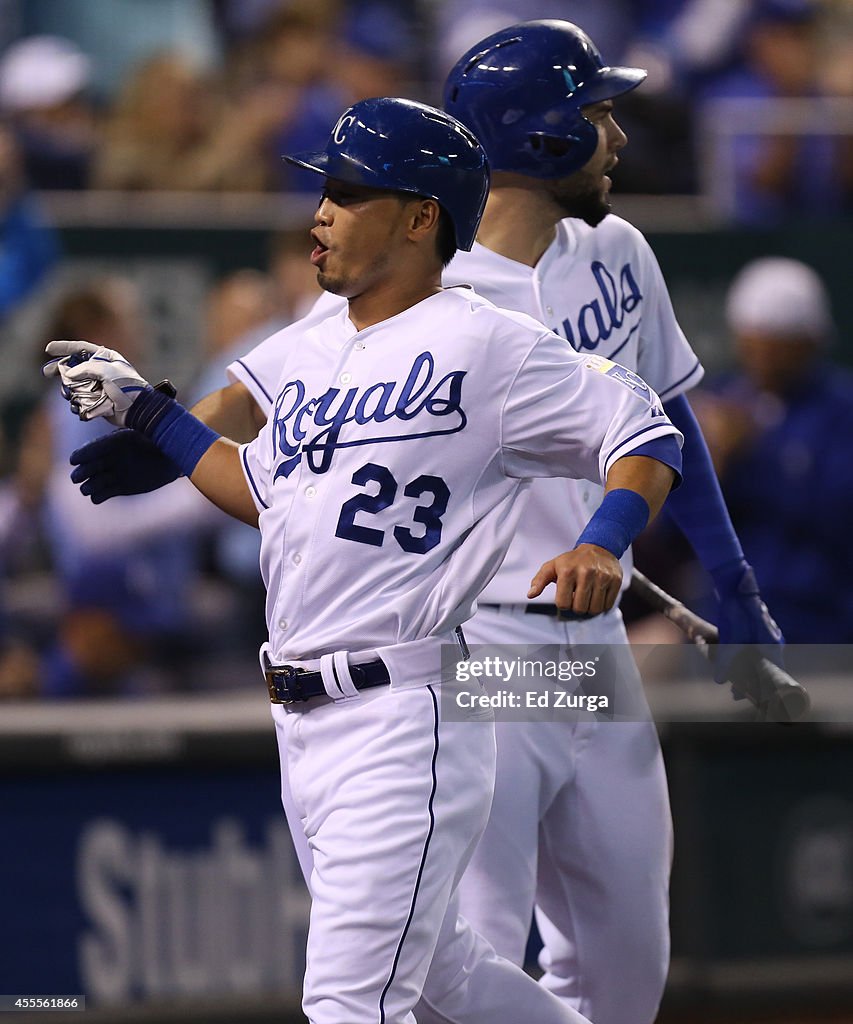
[779, 296]
[41, 71]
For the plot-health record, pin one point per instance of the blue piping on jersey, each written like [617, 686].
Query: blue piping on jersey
[251, 479]
[423, 860]
[267, 395]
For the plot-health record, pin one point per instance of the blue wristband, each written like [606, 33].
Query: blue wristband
[618, 520]
[176, 432]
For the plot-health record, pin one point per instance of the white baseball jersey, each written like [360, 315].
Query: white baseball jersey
[387, 448]
[580, 824]
[600, 289]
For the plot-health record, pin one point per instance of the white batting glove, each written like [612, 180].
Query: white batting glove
[97, 381]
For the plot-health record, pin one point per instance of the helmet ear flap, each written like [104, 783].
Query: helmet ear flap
[558, 156]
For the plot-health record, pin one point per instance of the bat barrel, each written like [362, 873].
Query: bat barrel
[784, 698]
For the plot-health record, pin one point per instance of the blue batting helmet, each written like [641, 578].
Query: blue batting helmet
[404, 146]
[521, 91]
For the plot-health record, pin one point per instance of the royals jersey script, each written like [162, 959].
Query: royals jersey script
[601, 290]
[400, 441]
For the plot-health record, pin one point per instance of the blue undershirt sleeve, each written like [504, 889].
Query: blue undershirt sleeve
[698, 507]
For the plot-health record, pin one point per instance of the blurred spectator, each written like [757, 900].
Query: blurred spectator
[21, 492]
[778, 176]
[683, 42]
[838, 47]
[320, 56]
[28, 246]
[44, 93]
[460, 23]
[172, 129]
[118, 34]
[247, 306]
[238, 304]
[126, 568]
[376, 53]
[780, 431]
[294, 51]
[243, 309]
[240, 310]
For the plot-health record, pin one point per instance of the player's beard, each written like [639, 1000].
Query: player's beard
[582, 195]
[331, 284]
[345, 284]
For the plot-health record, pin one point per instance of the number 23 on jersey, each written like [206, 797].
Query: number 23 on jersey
[382, 495]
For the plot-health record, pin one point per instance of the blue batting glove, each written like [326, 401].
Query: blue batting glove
[746, 626]
[124, 462]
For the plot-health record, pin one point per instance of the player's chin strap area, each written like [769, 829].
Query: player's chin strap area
[341, 675]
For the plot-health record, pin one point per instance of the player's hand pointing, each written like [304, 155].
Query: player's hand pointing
[588, 580]
[97, 381]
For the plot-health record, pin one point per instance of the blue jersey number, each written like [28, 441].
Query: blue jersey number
[429, 516]
[371, 503]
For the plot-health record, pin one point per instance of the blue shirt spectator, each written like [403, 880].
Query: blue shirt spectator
[28, 245]
[779, 174]
[780, 431]
[28, 249]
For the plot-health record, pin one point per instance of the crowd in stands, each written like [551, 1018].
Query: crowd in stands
[145, 593]
[207, 94]
[155, 592]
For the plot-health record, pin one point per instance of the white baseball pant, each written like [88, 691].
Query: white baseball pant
[392, 800]
[580, 826]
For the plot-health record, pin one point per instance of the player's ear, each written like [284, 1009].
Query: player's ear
[423, 218]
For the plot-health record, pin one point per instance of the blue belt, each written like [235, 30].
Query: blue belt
[288, 685]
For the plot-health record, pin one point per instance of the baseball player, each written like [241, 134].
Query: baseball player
[403, 430]
[580, 825]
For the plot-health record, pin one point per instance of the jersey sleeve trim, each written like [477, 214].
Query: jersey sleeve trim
[255, 381]
[627, 446]
[259, 501]
[685, 382]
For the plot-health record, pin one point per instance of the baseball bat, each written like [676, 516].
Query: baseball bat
[777, 696]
